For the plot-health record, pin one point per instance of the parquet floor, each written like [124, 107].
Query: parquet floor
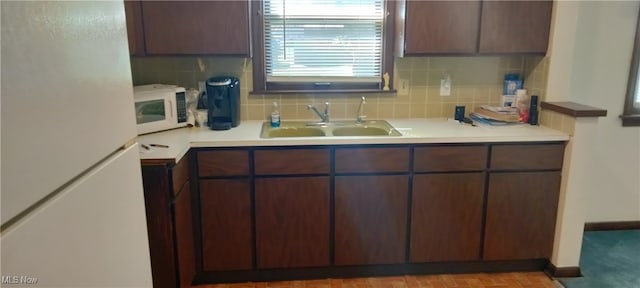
[481, 280]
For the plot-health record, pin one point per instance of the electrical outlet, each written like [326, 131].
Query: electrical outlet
[404, 87]
[445, 85]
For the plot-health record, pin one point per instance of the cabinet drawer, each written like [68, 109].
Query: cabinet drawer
[543, 156]
[450, 158]
[378, 159]
[180, 174]
[292, 161]
[223, 163]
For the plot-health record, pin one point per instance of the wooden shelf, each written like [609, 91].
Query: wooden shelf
[574, 109]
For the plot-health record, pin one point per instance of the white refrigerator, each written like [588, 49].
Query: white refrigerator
[72, 205]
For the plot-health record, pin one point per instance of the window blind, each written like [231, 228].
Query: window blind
[323, 40]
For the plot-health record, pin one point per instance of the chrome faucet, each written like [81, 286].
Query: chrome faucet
[324, 115]
[360, 118]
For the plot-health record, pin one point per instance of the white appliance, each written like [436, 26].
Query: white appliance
[72, 204]
[159, 107]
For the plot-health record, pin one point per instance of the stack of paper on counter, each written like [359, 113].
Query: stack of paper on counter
[495, 115]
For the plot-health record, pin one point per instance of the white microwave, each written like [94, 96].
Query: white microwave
[159, 107]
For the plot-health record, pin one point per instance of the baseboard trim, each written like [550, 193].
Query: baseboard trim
[554, 271]
[618, 225]
[211, 277]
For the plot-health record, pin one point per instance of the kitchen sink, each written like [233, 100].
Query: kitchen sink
[294, 132]
[364, 131]
[331, 129]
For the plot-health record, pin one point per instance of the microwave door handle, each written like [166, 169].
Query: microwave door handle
[170, 109]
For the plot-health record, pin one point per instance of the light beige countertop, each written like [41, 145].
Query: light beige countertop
[414, 131]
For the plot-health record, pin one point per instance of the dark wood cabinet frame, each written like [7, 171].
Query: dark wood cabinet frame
[179, 28]
[536, 164]
[469, 28]
[169, 198]
[261, 86]
[177, 253]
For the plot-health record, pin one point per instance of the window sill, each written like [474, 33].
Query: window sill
[360, 91]
[630, 120]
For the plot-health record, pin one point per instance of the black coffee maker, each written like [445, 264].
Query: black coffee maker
[223, 102]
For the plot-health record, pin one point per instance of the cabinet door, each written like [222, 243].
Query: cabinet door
[196, 27]
[157, 200]
[225, 207]
[515, 26]
[446, 217]
[441, 27]
[292, 222]
[521, 215]
[184, 236]
[133, 13]
[370, 219]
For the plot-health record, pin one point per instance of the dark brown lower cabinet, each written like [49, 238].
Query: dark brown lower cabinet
[446, 217]
[292, 222]
[225, 208]
[157, 198]
[418, 211]
[168, 202]
[521, 214]
[370, 219]
[184, 235]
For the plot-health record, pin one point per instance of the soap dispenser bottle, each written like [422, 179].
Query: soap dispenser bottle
[275, 115]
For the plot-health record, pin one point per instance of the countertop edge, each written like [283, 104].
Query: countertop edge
[374, 141]
[416, 132]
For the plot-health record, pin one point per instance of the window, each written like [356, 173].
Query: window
[320, 45]
[631, 116]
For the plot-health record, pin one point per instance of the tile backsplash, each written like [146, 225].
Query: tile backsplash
[474, 81]
[536, 69]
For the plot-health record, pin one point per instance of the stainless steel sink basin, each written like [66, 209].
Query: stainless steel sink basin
[290, 129]
[294, 132]
[368, 128]
[363, 131]
[331, 129]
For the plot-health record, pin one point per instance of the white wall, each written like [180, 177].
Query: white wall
[589, 58]
[601, 62]
[590, 50]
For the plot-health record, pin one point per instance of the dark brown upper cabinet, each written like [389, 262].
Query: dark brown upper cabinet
[515, 27]
[471, 27]
[190, 27]
[437, 27]
[135, 34]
